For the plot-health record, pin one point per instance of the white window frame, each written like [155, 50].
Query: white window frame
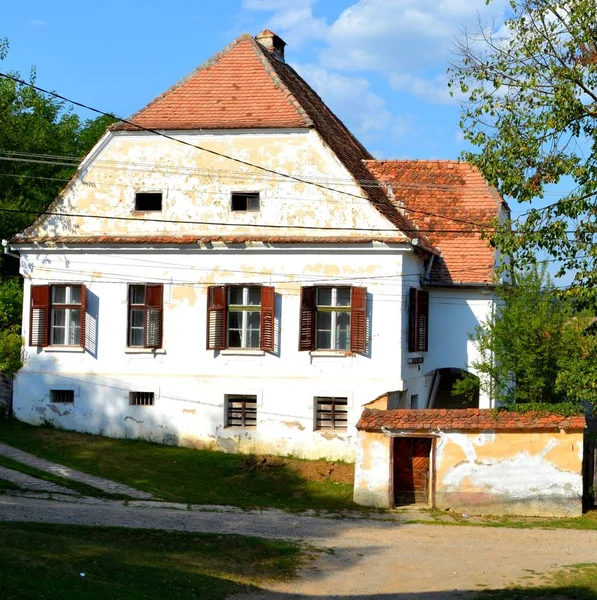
[334, 309]
[243, 308]
[69, 308]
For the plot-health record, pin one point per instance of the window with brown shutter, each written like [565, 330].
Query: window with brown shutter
[57, 315]
[333, 318]
[418, 320]
[331, 413]
[145, 316]
[240, 316]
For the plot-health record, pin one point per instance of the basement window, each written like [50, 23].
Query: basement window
[141, 398]
[62, 396]
[148, 201]
[331, 413]
[241, 411]
[244, 202]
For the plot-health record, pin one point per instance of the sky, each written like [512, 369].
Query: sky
[379, 64]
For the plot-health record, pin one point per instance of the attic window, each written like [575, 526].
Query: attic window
[148, 201]
[244, 201]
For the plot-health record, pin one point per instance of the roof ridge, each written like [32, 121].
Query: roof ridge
[422, 160]
[265, 56]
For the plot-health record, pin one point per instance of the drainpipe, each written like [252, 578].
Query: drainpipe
[428, 269]
[8, 251]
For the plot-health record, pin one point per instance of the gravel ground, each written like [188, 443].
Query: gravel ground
[370, 559]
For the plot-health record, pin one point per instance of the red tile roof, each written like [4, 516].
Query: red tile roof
[194, 239]
[246, 87]
[446, 189]
[469, 419]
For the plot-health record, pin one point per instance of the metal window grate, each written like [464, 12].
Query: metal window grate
[62, 396]
[241, 411]
[332, 413]
[141, 398]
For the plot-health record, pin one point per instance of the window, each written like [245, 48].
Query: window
[331, 413]
[244, 201]
[241, 411]
[148, 201]
[418, 320]
[141, 398]
[62, 396]
[240, 316]
[145, 316]
[333, 318]
[57, 315]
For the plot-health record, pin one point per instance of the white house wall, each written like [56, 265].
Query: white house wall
[454, 315]
[190, 383]
[196, 186]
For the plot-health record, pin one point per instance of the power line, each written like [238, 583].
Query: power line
[197, 147]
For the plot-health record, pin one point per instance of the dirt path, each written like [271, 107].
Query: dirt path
[368, 559]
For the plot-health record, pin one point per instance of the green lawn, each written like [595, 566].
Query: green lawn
[578, 582]
[180, 474]
[66, 561]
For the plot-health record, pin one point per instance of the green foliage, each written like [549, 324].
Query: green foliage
[468, 386]
[535, 349]
[11, 301]
[531, 109]
[11, 344]
[31, 122]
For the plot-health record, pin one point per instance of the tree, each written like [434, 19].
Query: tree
[32, 123]
[531, 109]
[535, 348]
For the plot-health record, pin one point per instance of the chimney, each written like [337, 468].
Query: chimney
[272, 43]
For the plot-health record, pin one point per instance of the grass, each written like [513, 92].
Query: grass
[67, 561]
[179, 474]
[80, 488]
[585, 521]
[577, 582]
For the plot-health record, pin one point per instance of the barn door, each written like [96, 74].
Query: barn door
[411, 470]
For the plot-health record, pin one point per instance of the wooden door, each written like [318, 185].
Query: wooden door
[411, 470]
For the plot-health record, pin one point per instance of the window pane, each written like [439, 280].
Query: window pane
[137, 294]
[342, 330]
[254, 319]
[253, 338]
[343, 296]
[59, 317]
[253, 327]
[136, 337]
[74, 295]
[59, 294]
[235, 319]
[138, 318]
[74, 326]
[254, 298]
[324, 340]
[234, 338]
[324, 296]
[324, 320]
[235, 296]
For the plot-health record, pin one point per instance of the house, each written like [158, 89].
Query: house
[230, 267]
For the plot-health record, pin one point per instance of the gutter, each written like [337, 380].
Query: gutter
[8, 251]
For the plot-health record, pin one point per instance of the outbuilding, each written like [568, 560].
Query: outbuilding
[477, 461]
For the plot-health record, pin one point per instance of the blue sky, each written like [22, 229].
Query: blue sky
[379, 64]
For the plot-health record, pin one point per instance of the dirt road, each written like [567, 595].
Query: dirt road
[367, 559]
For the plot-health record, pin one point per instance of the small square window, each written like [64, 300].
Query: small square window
[244, 201]
[414, 401]
[62, 396]
[241, 411]
[148, 201]
[141, 398]
[331, 413]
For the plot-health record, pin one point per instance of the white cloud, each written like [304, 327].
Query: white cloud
[353, 101]
[37, 23]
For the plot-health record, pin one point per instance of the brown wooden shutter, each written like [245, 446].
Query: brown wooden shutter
[358, 319]
[83, 312]
[418, 320]
[268, 299]
[39, 316]
[217, 303]
[307, 319]
[154, 314]
[423, 321]
[412, 319]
